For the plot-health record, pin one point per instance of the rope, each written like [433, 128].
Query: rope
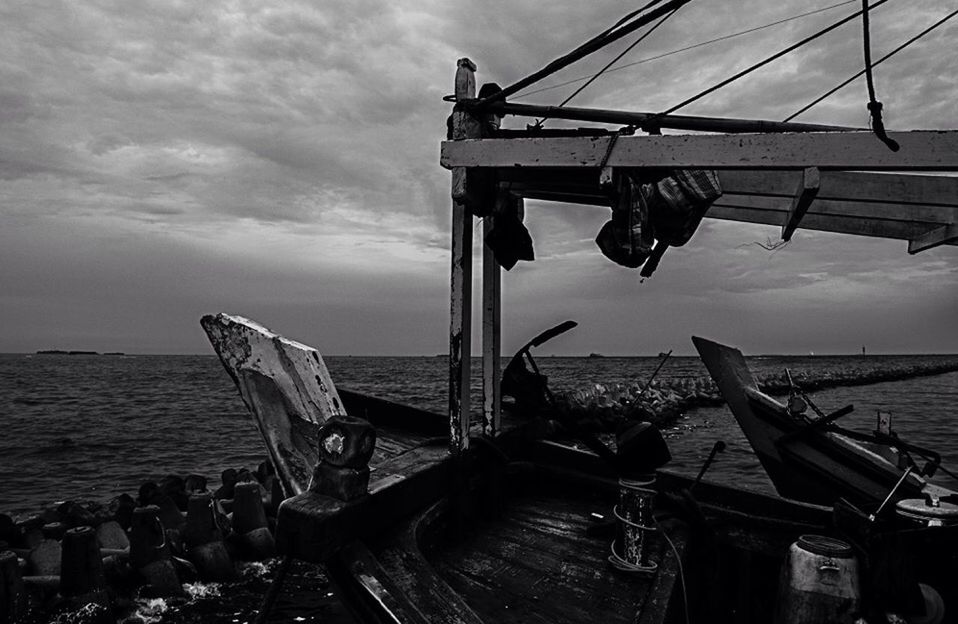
[768, 60]
[875, 64]
[687, 48]
[621, 54]
[874, 106]
[678, 561]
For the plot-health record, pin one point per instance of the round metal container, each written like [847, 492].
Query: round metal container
[819, 582]
[920, 512]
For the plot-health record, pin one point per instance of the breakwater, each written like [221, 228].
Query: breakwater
[92, 563]
[606, 407]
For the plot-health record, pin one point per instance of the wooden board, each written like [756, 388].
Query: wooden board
[920, 150]
[286, 387]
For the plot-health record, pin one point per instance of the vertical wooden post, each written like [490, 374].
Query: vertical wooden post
[464, 126]
[491, 332]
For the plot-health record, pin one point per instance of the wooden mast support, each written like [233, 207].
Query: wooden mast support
[804, 196]
[491, 319]
[920, 150]
[464, 126]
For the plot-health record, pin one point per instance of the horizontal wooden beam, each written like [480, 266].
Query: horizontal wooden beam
[657, 121]
[920, 150]
[903, 230]
[944, 235]
[929, 216]
[929, 190]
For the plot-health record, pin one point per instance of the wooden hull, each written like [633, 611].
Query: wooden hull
[819, 467]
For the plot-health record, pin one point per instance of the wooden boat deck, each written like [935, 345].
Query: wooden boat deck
[537, 563]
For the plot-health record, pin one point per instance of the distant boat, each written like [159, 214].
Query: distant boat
[663, 354]
[596, 355]
[114, 353]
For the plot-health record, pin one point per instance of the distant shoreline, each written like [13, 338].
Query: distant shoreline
[62, 352]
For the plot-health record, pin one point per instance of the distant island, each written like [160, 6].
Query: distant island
[62, 352]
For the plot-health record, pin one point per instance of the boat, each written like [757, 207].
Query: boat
[464, 518]
[814, 459]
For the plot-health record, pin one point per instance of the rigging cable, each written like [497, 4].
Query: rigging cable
[691, 47]
[612, 62]
[874, 106]
[875, 64]
[768, 60]
[613, 34]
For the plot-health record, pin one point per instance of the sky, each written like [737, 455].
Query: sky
[161, 160]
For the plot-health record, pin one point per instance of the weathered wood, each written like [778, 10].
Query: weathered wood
[655, 120]
[312, 527]
[368, 589]
[758, 210]
[460, 329]
[399, 554]
[804, 196]
[491, 331]
[924, 190]
[465, 126]
[920, 150]
[285, 385]
[944, 235]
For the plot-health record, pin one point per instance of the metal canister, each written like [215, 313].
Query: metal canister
[819, 583]
[927, 512]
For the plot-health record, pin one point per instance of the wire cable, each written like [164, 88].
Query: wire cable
[691, 47]
[585, 49]
[769, 59]
[875, 64]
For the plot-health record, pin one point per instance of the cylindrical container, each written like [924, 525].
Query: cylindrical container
[920, 512]
[819, 583]
[636, 524]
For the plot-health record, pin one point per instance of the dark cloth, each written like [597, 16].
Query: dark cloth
[510, 241]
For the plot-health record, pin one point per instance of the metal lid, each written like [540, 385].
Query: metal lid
[910, 507]
[825, 546]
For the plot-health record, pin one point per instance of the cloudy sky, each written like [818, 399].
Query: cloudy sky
[162, 159]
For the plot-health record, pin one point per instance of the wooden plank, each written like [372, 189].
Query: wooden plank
[905, 189]
[367, 588]
[286, 387]
[920, 150]
[866, 211]
[825, 223]
[460, 316]
[946, 234]
[491, 328]
[804, 196]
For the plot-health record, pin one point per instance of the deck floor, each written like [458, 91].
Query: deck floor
[536, 563]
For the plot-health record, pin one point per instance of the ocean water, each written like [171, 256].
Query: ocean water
[90, 427]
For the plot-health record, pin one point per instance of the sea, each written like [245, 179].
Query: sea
[90, 427]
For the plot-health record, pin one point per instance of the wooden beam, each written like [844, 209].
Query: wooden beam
[655, 120]
[903, 230]
[491, 319]
[460, 312]
[946, 234]
[920, 150]
[925, 216]
[804, 196]
[929, 190]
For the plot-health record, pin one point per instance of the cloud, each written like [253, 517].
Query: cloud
[164, 158]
